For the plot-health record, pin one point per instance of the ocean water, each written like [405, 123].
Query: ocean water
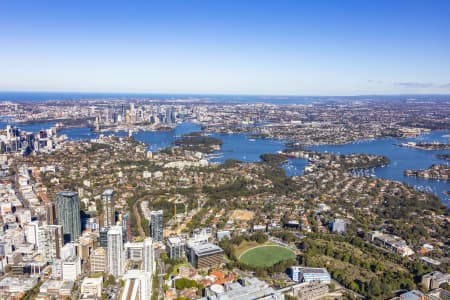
[30, 97]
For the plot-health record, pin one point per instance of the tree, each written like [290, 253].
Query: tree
[354, 286]
[111, 280]
[332, 286]
[184, 283]
[374, 287]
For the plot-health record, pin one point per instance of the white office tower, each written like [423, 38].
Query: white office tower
[31, 230]
[149, 256]
[71, 268]
[50, 241]
[116, 257]
[137, 285]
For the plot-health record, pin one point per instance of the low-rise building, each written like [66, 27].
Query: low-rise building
[92, 286]
[413, 295]
[246, 289]
[223, 234]
[58, 289]
[391, 242]
[435, 279]
[310, 275]
[339, 226]
[17, 284]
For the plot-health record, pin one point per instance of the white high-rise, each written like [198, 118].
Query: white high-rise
[116, 257]
[50, 241]
[149, 256]
[31, 232]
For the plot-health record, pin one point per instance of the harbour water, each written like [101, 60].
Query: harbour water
[401, 158]
[239, 146]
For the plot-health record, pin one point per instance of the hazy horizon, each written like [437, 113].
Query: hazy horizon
[334, 48]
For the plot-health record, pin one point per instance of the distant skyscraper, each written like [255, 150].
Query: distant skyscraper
[116, 257]
[51, 213]
[156, 225]
[50, 241]
[108, 215]
[149, 256]
[68, 207]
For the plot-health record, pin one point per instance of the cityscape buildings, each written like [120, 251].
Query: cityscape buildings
[334, 154]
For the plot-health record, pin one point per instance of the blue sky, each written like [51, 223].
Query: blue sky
[226, 47]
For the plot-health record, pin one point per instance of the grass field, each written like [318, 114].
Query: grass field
[266, 256]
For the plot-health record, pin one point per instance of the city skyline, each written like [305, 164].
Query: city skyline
[288, 48]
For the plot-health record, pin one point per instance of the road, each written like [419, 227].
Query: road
[138, 219]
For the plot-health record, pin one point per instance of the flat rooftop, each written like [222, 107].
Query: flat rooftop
[206, 249]
[68, 194]
[310, 270]
[175, 240]
[108, 192]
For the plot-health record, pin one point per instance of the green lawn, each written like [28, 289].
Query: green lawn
[266, 256]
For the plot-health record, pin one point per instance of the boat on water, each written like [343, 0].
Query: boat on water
[251, 140]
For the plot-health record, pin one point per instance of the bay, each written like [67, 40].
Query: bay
[239, 146]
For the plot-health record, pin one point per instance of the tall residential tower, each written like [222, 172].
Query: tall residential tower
[156, 225]
[108, 214]
[68, 208]
[116, 257]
